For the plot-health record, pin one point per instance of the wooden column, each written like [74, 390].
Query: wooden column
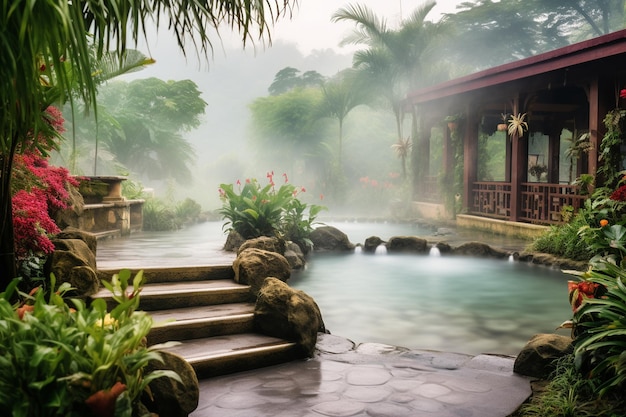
[470, 157]
[595, 122]
[519, 167]
[554, 151]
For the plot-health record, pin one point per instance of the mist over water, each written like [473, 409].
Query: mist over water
[448, 303]
[454, 304]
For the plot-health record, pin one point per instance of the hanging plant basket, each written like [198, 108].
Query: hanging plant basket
[453, 126]
[502, 127]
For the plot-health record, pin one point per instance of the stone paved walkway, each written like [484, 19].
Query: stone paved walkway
[369, 380]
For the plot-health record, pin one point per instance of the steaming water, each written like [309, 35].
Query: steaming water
[455, 304]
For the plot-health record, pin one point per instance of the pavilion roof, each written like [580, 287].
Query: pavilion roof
[593, 52]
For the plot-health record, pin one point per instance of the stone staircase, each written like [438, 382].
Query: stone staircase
[211, 316]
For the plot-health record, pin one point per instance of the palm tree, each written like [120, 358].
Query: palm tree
[395, 61]
[398, 61]
[47, 57]
[340, 96]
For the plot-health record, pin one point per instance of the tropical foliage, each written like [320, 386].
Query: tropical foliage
[140, 128]
[253, 210]
[38, 191]
[600, 325]
[394, 61]
[289, 78]
[494, 33]
[161, 215]
[71, 360]
[48, 52]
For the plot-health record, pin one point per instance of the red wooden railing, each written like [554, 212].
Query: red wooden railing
[543, 203]
[540, 202]
[491, 199]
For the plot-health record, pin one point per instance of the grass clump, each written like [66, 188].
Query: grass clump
[569, 394]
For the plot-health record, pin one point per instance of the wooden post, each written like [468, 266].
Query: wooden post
[470, 157]
[519, 168]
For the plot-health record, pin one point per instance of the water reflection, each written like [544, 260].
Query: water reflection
[199, 244]
[455, 304]
[444, 303]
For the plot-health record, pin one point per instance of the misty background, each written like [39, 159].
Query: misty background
[225, 144]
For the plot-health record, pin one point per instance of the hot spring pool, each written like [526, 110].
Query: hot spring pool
[454, 304]
[447, 303]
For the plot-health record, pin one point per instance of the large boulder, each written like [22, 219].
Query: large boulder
[330, 239]
[233, 241]
[371, 243]
[295, 257]
[253, 265]
[170, 397]
[536, 359]
[410, 244]
[74, 233]
[272, 244]
[74, 262]
[284, 312]
[478, 249]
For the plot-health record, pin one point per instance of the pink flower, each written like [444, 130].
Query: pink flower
[286, 179]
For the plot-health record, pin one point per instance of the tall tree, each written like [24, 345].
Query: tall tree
[340, 95]
[289, 78]
[490, 33]
[285, 126]
[395, 61]
[47, 56]
[151, 116]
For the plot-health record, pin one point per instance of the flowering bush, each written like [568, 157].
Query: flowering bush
[38, 190]
[62, 361]
[254, 211]
[600, 326]
[619, 194]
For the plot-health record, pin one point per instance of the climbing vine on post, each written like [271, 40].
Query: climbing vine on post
[609, 156]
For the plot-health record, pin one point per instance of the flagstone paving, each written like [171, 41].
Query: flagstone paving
[369, 379]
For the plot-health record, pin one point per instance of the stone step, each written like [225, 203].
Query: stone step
[222, 355]
[167, 296]
[201, 322]
[176, 274]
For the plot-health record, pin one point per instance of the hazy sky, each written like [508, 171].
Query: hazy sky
[234, 77]
[311, 28]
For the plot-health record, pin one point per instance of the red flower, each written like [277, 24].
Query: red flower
[102, 403]
[619, 194]
[578, 291]
[622, 93]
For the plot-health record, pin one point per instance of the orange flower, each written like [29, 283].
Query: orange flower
[604, 222]
[23, 309]
[102, 403]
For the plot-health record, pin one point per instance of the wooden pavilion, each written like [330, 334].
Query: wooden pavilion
[565, 94]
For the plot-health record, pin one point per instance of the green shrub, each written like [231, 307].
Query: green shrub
[600, 327]
[569, 394]
[254, 211]
[565, 241]
[188, 211]
[158, 217]
[59, 361]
